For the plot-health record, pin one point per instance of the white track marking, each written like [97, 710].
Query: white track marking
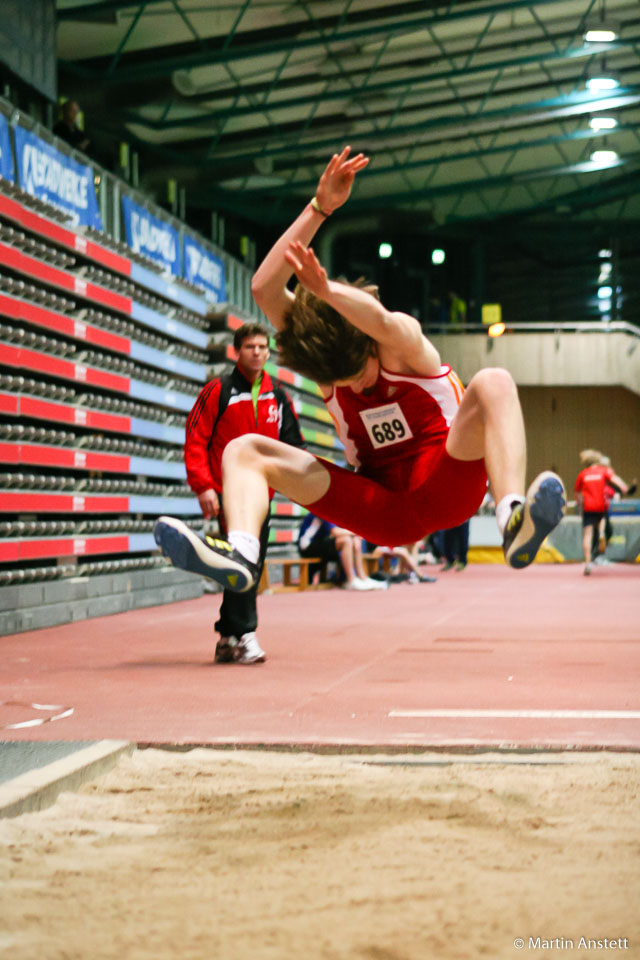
[534, 714]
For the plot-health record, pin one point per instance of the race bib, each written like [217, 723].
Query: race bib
[386, 425]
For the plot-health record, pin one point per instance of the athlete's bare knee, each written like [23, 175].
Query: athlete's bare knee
[493, 385]
[248, 449]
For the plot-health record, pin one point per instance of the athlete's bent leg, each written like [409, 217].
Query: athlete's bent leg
[489, 425]
[251, 464]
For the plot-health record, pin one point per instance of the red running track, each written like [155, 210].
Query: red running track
[355, 669]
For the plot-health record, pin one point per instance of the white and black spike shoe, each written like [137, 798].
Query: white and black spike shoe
[530, 522]
[212, 558]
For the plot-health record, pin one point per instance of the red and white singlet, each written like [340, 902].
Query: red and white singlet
[387, 431]
[406, 484]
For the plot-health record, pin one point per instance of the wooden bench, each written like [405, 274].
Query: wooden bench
[372, 563]
[288, 564]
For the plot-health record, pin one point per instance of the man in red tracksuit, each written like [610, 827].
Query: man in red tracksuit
[244, 401]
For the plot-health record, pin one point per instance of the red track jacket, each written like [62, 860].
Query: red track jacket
[224, 410]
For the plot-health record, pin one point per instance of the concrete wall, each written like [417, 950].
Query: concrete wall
[548, 359]
[577, 390]
[48, 604]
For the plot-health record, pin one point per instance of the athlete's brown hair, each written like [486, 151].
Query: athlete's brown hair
[317, 342]
[249, 330]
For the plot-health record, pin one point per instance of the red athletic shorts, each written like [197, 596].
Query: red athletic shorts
[432, 492]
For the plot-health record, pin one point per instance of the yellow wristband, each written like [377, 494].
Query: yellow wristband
[316, 206]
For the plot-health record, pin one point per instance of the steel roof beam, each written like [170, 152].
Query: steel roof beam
[383, 87]
[487, 183]
[88, 11]
[116, 57]
[219, 53]
[588, 197]
[551, 109]
[299, 80]
[591, 195]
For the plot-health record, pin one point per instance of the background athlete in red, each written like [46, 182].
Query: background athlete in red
[592, 495]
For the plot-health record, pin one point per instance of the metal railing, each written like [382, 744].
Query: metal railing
[561, 326]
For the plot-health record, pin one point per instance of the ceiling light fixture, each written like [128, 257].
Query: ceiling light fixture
[601, 33]
[603, 123]
[604, 157]
[603, 80]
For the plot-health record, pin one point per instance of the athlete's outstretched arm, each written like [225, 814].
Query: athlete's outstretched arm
[399, 333]
[269, 284]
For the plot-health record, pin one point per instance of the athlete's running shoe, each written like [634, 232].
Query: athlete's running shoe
[530, 522]
[212, 558]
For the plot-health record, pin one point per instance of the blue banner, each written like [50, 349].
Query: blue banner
[204, 269]
[150, 236]
[6, 159]
[57, 179]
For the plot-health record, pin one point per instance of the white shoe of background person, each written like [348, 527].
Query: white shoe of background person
[355, 584]
[358, 584]
[376, 584]
[587, 569]
[249, 650]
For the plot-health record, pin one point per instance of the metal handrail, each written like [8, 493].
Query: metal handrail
[561, 326]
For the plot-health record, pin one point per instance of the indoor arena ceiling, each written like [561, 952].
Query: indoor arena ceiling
[472, 110]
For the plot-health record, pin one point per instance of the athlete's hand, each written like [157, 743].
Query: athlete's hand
[335, 183]
[308, 269]
[209, 503]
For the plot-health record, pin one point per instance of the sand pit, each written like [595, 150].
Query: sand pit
[218, 855]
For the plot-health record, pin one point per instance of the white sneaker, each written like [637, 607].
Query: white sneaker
[587, 569]
[356, 584]
[377, 584]
[249, 650]
[367, 584]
